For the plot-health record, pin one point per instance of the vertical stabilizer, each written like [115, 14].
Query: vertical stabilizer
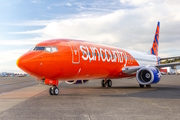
[154, 49]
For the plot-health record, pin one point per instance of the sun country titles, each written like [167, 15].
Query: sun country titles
[94, 54]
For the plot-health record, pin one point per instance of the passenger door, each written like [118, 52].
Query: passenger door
[75, 53]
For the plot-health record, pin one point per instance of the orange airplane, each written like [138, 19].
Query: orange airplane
[76, 62]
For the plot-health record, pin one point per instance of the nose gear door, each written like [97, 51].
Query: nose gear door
[75, 53]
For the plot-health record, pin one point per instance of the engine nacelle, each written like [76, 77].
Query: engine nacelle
[148, 75]
[77, 81]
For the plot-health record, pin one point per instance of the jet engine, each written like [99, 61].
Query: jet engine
[77, 81]
[148, 75]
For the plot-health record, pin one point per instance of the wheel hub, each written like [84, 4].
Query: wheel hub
[56, 91]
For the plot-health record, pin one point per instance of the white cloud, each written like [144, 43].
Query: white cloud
[132, 28]
[35, 1]
[127, 28]
[68, 4]
[173, 2]
[9, 68]
[79, 5]
[28, 32]
[30, 23]
[49, 8]
[140, 2]
[21, 42]
[11, 55]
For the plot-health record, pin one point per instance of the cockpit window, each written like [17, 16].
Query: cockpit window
[32, 49]
[39, 48]
[48, 49]
[54, 49]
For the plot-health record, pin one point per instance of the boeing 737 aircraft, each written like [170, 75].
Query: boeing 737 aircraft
[76, 62]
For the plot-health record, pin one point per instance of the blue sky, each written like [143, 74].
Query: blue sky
[121, 23]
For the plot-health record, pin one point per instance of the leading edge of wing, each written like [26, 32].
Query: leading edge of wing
[131, 69]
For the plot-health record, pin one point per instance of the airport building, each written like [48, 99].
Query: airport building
[6, 74]
[170, 71]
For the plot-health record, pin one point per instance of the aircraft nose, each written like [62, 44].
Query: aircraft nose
[20, 62]
[27, 63]
[17, 62]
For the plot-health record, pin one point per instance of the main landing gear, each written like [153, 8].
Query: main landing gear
[54, 90]
[142, 86]
[107, 83]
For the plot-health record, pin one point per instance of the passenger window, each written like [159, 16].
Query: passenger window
[54, 49]
[48, 49]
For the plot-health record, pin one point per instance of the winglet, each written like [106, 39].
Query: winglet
[154, 49]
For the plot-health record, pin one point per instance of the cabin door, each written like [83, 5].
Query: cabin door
[75, 53]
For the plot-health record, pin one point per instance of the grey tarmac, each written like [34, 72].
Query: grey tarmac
[124, 101]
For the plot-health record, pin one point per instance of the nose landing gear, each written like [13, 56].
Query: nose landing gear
[54, 90]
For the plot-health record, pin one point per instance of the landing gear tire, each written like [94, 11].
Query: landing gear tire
[141, 86]
[148, 86]
[103, 84]
[51, 92]
[55, 90]
[109, 83]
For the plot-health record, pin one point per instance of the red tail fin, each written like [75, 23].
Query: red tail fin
[154, 49]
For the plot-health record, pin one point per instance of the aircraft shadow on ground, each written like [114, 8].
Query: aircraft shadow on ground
[155, 93]
[168, 92]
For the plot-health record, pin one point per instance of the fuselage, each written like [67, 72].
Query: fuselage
[64, 59]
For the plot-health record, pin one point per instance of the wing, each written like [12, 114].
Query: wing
[131, 69]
